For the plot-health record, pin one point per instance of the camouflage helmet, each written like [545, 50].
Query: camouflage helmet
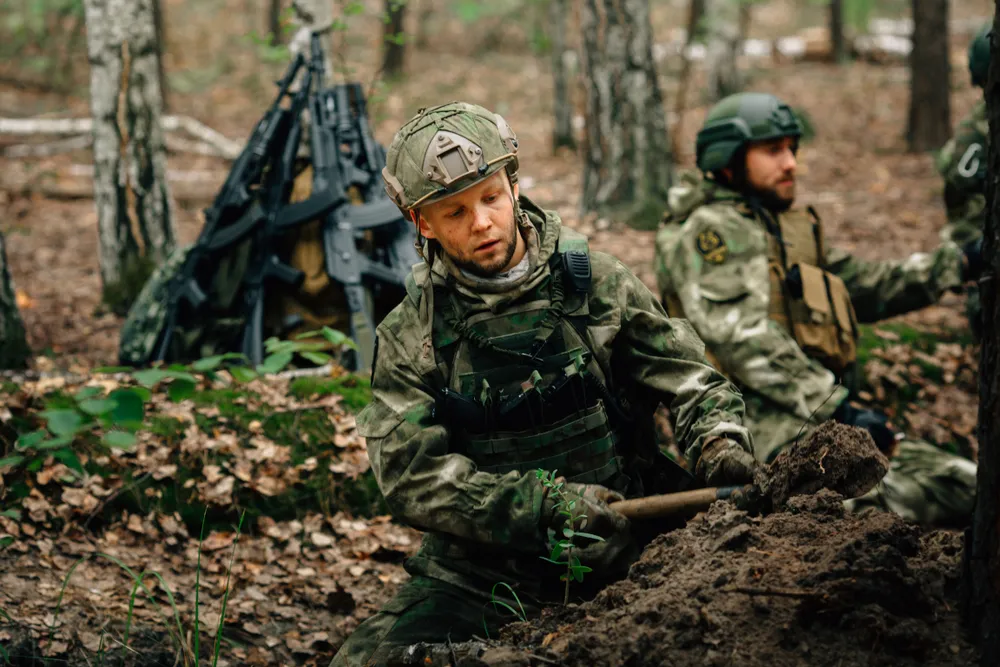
[979, 55]
[737, 120]
[446, 149]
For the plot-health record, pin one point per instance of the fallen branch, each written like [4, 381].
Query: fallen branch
[187, 188]
[224, 146]
[49, 148]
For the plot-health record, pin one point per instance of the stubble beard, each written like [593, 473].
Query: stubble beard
[773, 201]
[492, 269]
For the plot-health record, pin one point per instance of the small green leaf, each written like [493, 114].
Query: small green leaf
[317, 358]
[354, 8]
[62, 422]
[29, 440]
[243, 374]
[150, 377]
[590, 536]
[113, 369]
[35, 465]
[119, 439]
[211, 363]
[55, 443]
[87, 392]
[6, 541]
[557, 562]
[556, 551]
[569, 532]
[69, 458]
[274, 363]
[129, 407]
[11, 514]
[98, 406]
[11, 461]
[180, 390]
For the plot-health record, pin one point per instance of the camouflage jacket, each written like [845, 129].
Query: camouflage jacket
[472, 516]
[727, 302]
[962, 164]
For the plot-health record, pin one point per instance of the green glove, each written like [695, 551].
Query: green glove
[725, 463]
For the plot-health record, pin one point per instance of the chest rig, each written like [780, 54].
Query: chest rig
[524, 390]
[813, 305]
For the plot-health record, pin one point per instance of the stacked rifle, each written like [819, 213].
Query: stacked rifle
[254, 202]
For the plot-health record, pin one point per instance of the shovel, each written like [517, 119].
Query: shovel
[671, 504]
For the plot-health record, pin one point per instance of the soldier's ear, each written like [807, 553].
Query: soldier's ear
[424, 227]
[515, 189]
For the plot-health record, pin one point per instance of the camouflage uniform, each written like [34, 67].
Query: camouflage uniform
[473, 491]
[962, 164]
[714, 260]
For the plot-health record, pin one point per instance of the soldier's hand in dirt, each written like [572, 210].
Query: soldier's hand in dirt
[725, 463]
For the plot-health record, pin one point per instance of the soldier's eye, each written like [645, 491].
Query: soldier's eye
[455, 214]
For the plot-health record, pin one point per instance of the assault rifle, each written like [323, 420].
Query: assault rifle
[368, 246]
[235, 200]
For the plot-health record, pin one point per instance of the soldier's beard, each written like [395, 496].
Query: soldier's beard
[771, 200]
[493, 268]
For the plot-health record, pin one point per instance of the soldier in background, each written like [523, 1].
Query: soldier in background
[962, 164]
[779, 311]
[518, 349]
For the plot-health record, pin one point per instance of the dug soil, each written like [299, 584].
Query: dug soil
[809, 585]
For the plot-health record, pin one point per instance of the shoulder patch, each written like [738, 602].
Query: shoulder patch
[712, 247]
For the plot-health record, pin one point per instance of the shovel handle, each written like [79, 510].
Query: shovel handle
[669, 504]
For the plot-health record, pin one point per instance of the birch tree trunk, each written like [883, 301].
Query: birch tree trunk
[313, 16]
[982, 541]
[627, 157]
[930, 109]
[129, 154]
[14, 350]
[722, 44]
[562, 133]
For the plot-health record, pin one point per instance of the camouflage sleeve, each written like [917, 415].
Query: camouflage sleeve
[962, 161]
[717, 265]
[426, 485]
[884, 289]
[666, 356]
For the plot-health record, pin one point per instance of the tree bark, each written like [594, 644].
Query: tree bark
[982, 541]
[627, 158]
[722, 45]
[930, 110]
[161, 49]
[274, 21]
[562, 133]
[129, 155]
[395, 48]
[837, 46]
[14, 349]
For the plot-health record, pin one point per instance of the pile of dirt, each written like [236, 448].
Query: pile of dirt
[808, 585]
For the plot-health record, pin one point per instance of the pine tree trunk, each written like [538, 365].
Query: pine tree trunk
[562, 133]
[837, 46]
[930, 109]
[627, 159]
[14, 350]
[395, 48]
[129, 155]
[722, 44]
[982, 544]
[161, 49]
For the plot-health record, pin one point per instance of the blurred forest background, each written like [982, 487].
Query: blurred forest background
[86, 515]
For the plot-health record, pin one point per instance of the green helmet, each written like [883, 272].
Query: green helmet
[979, 55]
[737, 120]
[446, 149]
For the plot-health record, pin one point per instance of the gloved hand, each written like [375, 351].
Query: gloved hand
[591, 501]
[872, 421]
[974, 264]
[725, 463]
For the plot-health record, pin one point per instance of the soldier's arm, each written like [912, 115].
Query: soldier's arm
[962, 161]
[884, 289]
[424, 484]
[666, 356]
[725, 294]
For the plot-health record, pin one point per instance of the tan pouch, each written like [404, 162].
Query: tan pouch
[822, 320]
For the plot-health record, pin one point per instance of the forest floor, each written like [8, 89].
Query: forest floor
[303, 579]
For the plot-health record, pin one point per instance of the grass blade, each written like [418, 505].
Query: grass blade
[225, 597]
[197, 591]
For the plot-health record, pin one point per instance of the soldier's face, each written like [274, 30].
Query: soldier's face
[476, 227]
[771, 170]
